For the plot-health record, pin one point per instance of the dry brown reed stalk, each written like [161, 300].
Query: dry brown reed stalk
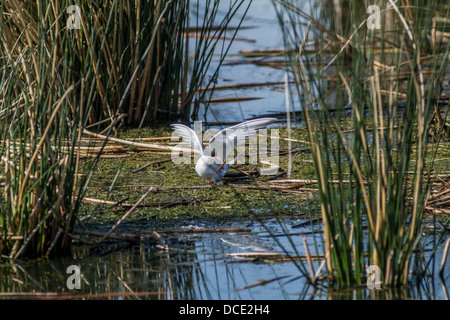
[125, 215]
[138, 144]
[260, 283]
[123, 204]
[151, 163]
[271, 257]
[231, 99]
[444, 258]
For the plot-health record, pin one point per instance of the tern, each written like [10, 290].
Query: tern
[213, 164]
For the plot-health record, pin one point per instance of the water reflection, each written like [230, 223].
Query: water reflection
[195, 266]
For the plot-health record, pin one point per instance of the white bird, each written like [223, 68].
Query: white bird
[210, 165]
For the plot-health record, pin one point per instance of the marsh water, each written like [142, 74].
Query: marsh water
[207, 265]
[197, 265]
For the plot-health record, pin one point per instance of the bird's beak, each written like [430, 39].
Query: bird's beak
[224, 161]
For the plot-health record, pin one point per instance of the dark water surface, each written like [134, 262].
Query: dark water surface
[197, 266]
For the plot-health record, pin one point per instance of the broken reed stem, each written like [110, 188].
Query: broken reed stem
[260, 283]
[308, 259]
[32, 234]
[58, 234]
[151, 235]
[151, 163]
[212, 230]
[444, 259]
[138, 144]
[121, 204]
[126, 214]
[288, 114]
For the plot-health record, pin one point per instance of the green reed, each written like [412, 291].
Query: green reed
[368, 97]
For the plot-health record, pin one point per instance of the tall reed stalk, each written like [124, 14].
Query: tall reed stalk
[368, 128]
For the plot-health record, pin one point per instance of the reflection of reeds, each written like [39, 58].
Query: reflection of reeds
[382, 192]
[127, 60]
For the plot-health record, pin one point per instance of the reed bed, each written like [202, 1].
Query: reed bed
[139, 59]
[42, 112]
[372, 211]
[65, 66]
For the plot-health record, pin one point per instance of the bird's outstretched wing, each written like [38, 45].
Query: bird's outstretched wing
[225, 140]
[189, 136]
